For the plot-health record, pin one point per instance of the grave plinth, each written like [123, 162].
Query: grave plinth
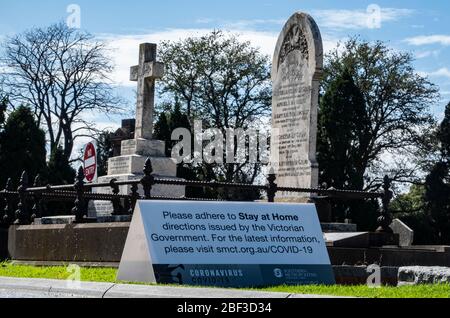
[130, 168]
[143, 147]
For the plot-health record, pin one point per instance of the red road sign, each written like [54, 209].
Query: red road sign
[90, 162]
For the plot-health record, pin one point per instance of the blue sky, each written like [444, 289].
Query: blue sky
[422, 27]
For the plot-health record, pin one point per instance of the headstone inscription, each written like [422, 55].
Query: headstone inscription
[227, 244]
[296, 72]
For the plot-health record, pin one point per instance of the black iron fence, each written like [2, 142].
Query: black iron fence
[26, 203]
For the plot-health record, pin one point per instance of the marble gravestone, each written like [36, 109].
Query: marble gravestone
[296, 73]
[130, 164]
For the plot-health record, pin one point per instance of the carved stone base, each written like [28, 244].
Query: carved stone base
[134, 164]
[304, 177]
[129, 167]
[143, 147]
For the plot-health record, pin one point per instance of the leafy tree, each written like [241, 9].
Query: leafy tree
[167, 122]
[178, 119]
[342, 136]
[104, 152]
[437, 199]
[163, 132]
[222, 81]
[62, 73]
[444, 135]
[3, 107]
[410, 208]
[216, 76]
[397, 105]
[426, 208]
[437, 185]
[59, 171]
[409, 203]
[22, 145]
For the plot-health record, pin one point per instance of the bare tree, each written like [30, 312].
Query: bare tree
[63, 74]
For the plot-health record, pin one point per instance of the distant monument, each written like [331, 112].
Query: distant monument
[134, 152]
[296, 73]
[125, 132]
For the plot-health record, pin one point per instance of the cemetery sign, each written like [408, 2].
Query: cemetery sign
[225, 244]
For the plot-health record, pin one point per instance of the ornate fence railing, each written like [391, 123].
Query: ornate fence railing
[23, 205]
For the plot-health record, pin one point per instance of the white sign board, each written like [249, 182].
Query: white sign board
[232, 244]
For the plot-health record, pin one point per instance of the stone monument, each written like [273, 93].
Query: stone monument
[296, 73]
[125, 132]
[130, 164]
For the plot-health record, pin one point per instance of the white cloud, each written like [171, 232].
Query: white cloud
[204, 20]
[429, 39]
[424, 54]
[371, 18]
[125, 48]
[442, 72]
[246, 24]
[240, 24]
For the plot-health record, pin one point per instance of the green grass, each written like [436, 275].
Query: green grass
[109, 275]
[57, 272]
[420, 291]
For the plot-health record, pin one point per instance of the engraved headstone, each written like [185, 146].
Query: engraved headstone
[296, 73]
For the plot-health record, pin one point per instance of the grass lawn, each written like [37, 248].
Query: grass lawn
[106, 275]
[109, 275]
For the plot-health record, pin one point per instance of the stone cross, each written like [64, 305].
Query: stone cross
[145, 74]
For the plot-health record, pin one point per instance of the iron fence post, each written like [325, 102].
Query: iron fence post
[117, 207]
[3, 196]
[22, 215]
[6, 215]
[134, 196]
[272, 186]
[148, 180]
[79, 209]
[37, 204]
[385, 219]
